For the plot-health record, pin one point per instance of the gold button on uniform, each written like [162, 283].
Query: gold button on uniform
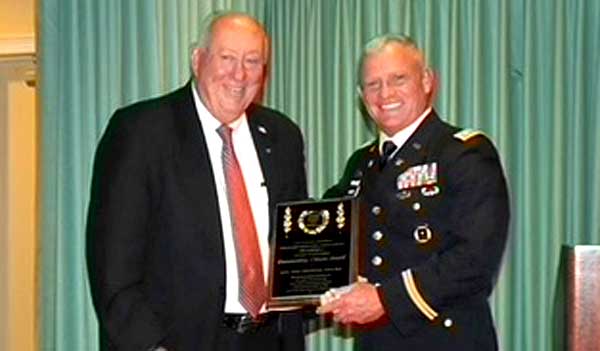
[448, 322]
[376, 210]
[416, 206]
[377, 235]
[377, 260]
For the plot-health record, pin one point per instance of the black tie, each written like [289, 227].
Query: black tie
[386, 152]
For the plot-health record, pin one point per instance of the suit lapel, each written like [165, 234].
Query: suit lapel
[265, 143]
[194, 166]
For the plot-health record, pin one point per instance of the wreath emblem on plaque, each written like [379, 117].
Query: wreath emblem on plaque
[313, 222]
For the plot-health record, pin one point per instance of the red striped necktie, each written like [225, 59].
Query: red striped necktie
[253, 292]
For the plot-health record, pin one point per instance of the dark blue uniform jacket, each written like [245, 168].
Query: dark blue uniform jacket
[434, 227]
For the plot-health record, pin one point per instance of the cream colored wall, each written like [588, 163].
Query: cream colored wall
[17, 18]
[20, 256]
[18, 177]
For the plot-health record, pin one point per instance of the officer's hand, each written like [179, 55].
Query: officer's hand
[360, 305]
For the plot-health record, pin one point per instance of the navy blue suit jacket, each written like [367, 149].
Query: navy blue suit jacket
[155, 247]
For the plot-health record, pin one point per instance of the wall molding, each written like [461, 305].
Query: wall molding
[17, 46]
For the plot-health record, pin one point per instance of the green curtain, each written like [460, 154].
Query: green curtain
[526, 72]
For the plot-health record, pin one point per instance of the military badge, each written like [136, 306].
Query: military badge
[430, 190]
[417, 176]
[422, 234]
[403, 194]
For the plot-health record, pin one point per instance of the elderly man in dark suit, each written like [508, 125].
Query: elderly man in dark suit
[435, 210]
[182, 192]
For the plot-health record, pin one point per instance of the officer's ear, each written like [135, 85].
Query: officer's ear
[428, 81]
[433, 82]
[364, 110]
[364, 107]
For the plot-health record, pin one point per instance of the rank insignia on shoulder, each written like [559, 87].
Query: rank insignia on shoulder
[419, 175]
[466, 134]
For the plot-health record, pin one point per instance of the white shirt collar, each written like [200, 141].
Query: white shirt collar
[402, 136]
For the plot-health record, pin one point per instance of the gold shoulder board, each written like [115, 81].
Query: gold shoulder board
[466, 134]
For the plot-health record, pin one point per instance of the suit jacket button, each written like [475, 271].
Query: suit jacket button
[416, 206]
[376, 260]
[448, 322]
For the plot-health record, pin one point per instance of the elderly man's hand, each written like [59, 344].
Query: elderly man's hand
[359, 305]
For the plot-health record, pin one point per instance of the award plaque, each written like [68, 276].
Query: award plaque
[313, 249]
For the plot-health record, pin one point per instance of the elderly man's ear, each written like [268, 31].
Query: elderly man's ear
[198, 55]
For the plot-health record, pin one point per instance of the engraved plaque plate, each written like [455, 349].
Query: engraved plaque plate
[313, 249]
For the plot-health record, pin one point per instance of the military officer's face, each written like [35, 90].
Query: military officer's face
[395, 86]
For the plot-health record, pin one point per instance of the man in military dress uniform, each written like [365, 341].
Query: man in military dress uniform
[435, 216]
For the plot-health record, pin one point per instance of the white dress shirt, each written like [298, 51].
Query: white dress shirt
[245, 150]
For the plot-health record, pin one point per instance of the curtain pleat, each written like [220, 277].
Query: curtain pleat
[527, 73]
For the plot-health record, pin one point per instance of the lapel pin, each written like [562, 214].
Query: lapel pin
[262, 130]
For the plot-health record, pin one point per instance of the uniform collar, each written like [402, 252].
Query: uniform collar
[402, 136]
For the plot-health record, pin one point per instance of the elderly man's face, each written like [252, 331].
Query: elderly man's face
[230, 72]
[395, 87]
